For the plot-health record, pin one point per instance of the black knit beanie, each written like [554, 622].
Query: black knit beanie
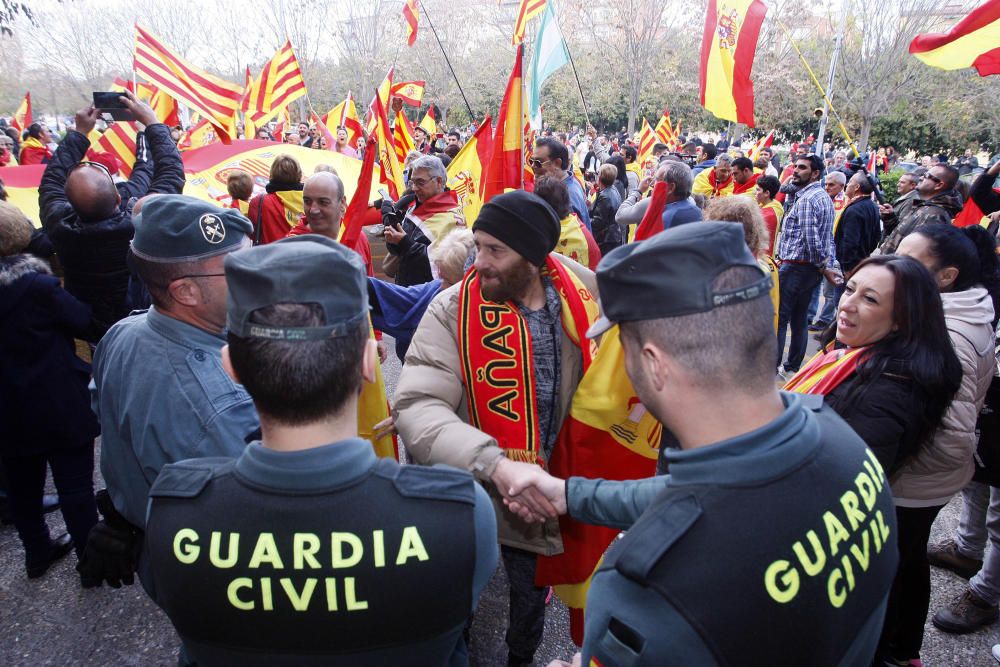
[522, 220]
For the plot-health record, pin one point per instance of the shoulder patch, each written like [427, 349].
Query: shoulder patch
[187, 479]
[655, 533]
[437, 482]
[812, 402]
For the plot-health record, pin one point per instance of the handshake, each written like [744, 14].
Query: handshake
[528, 491]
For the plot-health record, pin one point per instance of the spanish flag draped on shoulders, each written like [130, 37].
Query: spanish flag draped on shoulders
[827, 370]
[34, 151]
[275, 212]
[577, 243]
[487, 380]
[706, 184]
[437, 216]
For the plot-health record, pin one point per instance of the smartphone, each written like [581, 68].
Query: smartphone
[111, 107]
[384, 194]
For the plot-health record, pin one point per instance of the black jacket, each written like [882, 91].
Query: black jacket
[93, 254]
[44, 402]
[858, 233]
[888, 416]
[607, 232]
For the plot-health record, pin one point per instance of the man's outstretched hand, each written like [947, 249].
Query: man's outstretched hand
[143, 112]
[86, 119]
[530, 492]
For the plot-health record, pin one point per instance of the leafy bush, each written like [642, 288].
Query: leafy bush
[889, 182]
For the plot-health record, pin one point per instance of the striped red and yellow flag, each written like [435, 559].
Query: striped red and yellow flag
[402, 137]
[280, 83]
[345, 115]
[527, 10]
[392, 171]
[505, 170]
[727, 52]
[647, 139]
[411, 92]
[119, 140]
[663, 130]
[429, 123]
[22, 117]
[972, 42]
[213, 97]
[412, 16]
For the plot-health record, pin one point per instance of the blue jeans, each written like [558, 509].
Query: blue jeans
[796, 283]
[979, 522]
[832, 295]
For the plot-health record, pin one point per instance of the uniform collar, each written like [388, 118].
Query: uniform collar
[327, 467]
[753, 457]
[183, 333]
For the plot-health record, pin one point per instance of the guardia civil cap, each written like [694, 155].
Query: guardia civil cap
[306, 269]
[671, 274]
[178, 228]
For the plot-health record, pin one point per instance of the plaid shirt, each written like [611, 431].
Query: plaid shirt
[807, 231]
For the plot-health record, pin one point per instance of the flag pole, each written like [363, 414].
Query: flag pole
[586, 109]
[450, 68]
[819, 86]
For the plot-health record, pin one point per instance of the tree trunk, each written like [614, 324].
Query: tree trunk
[866, 130]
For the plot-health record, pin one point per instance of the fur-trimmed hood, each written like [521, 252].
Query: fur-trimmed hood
[13, 270]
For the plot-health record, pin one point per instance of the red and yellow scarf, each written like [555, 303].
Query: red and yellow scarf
[719, 189]
[826, 371]
[495, 348]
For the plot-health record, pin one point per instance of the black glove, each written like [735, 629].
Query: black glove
[112, 549]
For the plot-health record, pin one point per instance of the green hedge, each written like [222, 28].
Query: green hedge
[889, 182]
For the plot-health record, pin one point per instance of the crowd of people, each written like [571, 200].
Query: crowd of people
[227, 353]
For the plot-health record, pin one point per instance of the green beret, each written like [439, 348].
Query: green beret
[178, 228]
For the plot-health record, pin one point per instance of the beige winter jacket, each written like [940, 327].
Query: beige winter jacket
[944, 465]
[432, 414]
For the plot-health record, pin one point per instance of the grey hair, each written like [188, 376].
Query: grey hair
[838, 176]
[431, 164]
[723, 158]
[678, 173]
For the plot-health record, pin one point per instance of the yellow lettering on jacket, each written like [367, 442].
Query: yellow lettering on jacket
[781, 581]
[214, 549]
[337, 542]
[266, 551]
[186, 549]
[411, 546]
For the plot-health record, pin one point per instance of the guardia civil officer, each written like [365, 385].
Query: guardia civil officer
[159, 388]
[307, 549]
[772, 540]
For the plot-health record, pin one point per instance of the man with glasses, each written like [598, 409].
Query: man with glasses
[159, 388]
[551, 158]
[936, 201]
[414, 222]
[82, 214]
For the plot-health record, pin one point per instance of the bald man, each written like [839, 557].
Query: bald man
[82, 214]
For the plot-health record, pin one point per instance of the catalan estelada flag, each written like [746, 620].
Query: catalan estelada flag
[608, 434]
[526, 10]
[22, 117]
[214, 98]
[280, 83]
[465, 172]
[506, 166]
[727, 51]
[972, 42]
[411, 14]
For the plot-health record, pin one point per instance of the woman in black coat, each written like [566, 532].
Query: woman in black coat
[45, 415]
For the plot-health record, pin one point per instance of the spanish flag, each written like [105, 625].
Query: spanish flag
[429, 123]
[202, 134]
[761, 144]
[972, 42]
[465, 172]
[382, 94]
[505, 169]
[411, 92]
[727, 51]
[412, 16]
[22, 117]
[345, 115]
[608, 434]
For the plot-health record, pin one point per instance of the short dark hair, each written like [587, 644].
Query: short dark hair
[239, 184]
[630, 153]
[769, 183]
[730, 346]
[555, 193]
[557, 150]
[455, 133]
[299, 382]
[815, 162]
[35, 130]
[709, 151]
[451, 150]
[742, 163]
[157, 276]
[659, 147]
[951, 174]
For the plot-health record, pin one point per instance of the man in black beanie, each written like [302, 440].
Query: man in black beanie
[490, 375]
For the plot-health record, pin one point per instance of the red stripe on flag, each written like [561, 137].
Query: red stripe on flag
[746, 46]
[195, 77]
[988, 63]
[707, 39]
[167, 81]
[977, 19]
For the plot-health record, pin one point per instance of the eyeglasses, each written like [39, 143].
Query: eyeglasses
[95, 165]
[421, 182]
[932, 177]
[537, 162]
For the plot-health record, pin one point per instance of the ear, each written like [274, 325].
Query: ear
[227, 365]
[185, 292]
[947, 276]
[654, 365]
[369, 360]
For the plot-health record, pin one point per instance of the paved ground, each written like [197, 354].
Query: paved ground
[52, 621]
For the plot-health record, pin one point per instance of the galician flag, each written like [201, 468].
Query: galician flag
[550, 54]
